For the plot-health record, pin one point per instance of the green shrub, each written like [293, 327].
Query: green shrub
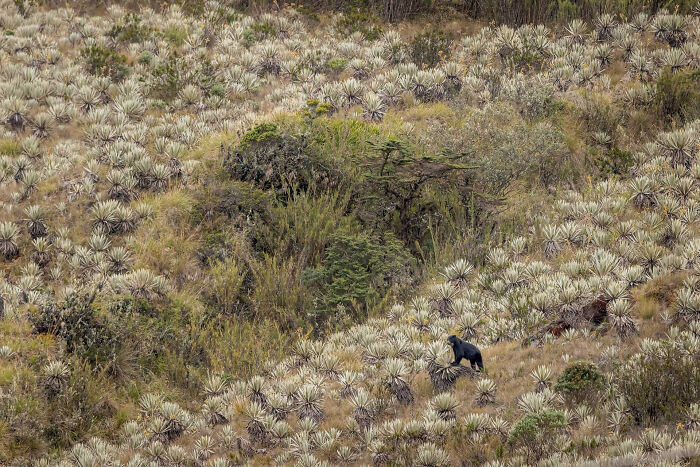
[430, 48]
[175, 35]
[360, 20]
[678, 96]
[580, 381]
[257, 32]
[258, 134]
[336, 64]
[105, 62]
[659, 387]
[616, 161]
[130, 30]
[599, 113]
[357, 270]
[279, 161]
[167, 78]
[535, 433]
[145, 57]
[77, 322]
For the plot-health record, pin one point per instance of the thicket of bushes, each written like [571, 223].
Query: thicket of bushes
[316, 222]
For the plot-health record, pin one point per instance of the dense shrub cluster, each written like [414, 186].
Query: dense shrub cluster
[580, 381]
[678, 96]
[659, 384]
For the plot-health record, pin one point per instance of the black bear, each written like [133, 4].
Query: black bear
[466, 350]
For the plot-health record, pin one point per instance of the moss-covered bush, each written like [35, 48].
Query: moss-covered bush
[130, 30]
[430, 48]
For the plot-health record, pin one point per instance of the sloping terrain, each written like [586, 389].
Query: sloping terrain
[230, 239]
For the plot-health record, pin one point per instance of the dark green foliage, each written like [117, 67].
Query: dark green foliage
[167, 77]
[600, 114]
[580, 381]
[659, 387]
[257, 32]
[117, 340]
[359, 19]
[357, 269]
[430, 48]
[105, 62]
[258, 134]
[233, 204]
[678, 96]
[519, 12]
[276, 160]
[130, 30]
[396, 181]
[616, 161]
[78, 324]
[81, 407]
[336, 64]
[535, 433]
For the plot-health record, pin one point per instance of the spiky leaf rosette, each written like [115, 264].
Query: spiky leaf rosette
[458, 272]
[256, 386]
[278, 405]
[445, 404]
[8, 240]
[255, 426]
[36, 221]
[442, 373]
[431, 455]
[443, 297]
[362, 412]
[486, 392]
[348, 379]
[310, 398]
[620, 318]
[542, 376]
[55, 376]
[396, 380]
[176, 420]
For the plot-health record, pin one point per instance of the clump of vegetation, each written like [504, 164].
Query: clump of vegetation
[231, 237]
[580, 381]
[536, 433]
[357, 272]
[105, 62]
[362, 20]
[659, 388]
[428, 49]
[678, 95]
[130, 30]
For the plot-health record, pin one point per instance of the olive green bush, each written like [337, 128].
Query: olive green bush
[678, 96]
[535, 433]
[659, 387]
[579, 382]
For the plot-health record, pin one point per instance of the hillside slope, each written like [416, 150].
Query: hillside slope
[207, 219]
